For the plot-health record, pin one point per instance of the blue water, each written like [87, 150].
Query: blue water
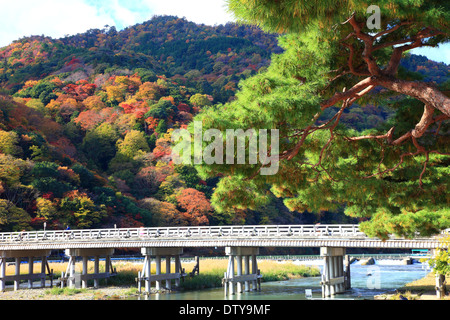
[366, 281]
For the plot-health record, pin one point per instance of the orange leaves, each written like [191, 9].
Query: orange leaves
[88, 119]
[162, 148]
[149, 91]
[57, 82]
[169, 98]
[30, 83]
[152, 123]
[73, 194]
[94, 103]
[195, 206]
[138, 108]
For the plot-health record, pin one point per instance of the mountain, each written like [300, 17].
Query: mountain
[212, 59]
[85, 123]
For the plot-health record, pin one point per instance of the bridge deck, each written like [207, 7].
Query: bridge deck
[215, 236]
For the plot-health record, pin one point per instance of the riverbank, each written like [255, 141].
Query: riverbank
[123, 286]
[103, 293]
[421, 289]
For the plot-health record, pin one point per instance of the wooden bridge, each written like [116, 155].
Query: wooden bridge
[242, 243]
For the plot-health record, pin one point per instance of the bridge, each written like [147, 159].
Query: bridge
[241, 244]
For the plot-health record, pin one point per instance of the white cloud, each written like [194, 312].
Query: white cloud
[123, 12]
[209, 12]
[56, 18]
[53, 18]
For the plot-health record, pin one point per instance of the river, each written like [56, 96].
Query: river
[367, 281]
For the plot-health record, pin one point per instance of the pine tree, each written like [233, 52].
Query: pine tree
[396, 175]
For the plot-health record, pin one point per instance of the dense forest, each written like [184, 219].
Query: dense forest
[86, 122]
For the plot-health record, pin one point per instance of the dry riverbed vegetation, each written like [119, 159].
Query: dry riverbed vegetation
[421, 289]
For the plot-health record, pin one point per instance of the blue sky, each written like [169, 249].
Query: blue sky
[56, 18]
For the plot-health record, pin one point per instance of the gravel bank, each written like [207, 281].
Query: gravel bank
[102, 293]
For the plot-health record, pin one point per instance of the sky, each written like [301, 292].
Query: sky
[57, 18]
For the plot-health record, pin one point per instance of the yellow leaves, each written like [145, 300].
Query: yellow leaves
[148, 90]
[53, 105]
[45, 208]
[128, 83]
[114, 94]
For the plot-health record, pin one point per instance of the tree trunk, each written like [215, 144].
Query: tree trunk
[440, 286]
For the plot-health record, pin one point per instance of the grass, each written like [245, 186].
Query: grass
[421, 289]
[56, 291]
[424, 286]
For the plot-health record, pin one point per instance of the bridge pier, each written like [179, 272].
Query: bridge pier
[333, 275]
[243, 279]
[73, 279]
[18, 255]
[158, 277]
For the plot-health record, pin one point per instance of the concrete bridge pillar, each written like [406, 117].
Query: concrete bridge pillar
[333, 275]
[30, 277]
[2, 273]
[159, 277]
[240, 278]
[73, 279]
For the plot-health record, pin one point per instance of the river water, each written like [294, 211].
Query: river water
[367, 281]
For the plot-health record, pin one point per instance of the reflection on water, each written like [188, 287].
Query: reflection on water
[367, 281]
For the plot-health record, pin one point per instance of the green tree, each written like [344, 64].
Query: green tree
[13, 218]
[162, 126]
[162, 110]
[42, 91]
[50, 184]
[396, 174]
[8, 143]
[87, 179]
[440, 262]
[45, 169]
[133, 144]
[200, 100]
[83, 210]
[99, 145]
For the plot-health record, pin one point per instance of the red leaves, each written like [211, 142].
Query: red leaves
[73, 61]
[81, 90]
[184, 107]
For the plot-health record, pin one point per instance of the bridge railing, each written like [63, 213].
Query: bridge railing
[344, 231]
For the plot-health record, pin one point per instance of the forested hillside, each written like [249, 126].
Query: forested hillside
[85, 124]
